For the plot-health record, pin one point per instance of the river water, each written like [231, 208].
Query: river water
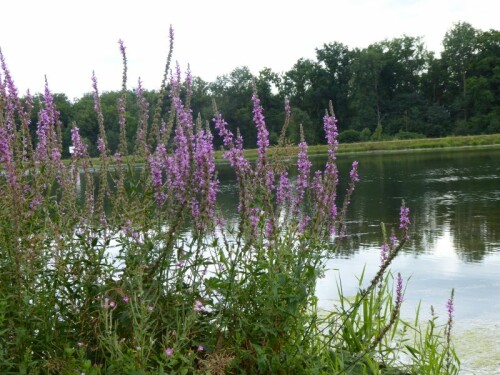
[454, 201]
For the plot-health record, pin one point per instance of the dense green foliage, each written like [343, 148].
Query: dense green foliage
[396, 84]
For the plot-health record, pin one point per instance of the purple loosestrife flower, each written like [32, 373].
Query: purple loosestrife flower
[304, 169]
[97, 101]
[79, 148]
[143, 105]
[303, 223]
[384, 253]
[262, 133]
[399, 290]
[450, 308]
[37, 201]
[8, 78]
[46, 130]
[189, 83]
[283, 194]
[163, 128]
[7, 158]
[6, 155]
[330, 180]
[269, 181]
[51, 109]
[330, 128]
[121, 113]
[195, 209]
[183, 139]
[392, 239]
[101, 142]
[42, 132]
[101, 145]
[235, 154]
[205, 182]
[124, 59]
[288, 111]
[12, 98]
[157, 164]
[269, 228]
[353, 174]
[347, 199]
[318, 186]
[181, 160]
[224, 132]
[404, 220]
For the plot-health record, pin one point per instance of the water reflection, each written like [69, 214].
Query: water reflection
[451, 194]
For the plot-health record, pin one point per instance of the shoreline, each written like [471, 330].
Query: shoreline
[379, 147]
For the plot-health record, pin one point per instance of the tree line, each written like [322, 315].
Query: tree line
[391, 89]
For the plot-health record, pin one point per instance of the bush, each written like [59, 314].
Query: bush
[350, 136]
[378, 134]
[128, 270]
[365, 135]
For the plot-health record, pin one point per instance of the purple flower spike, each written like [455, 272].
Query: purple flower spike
[304, 168]
[384, 253]
[399, 290]
[450, 307]
[262, 133]
[283, 194]
[79, 148]
[404, 220]
[354, 172]
[288, 110]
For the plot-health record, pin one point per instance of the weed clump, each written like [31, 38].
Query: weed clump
[120, 269]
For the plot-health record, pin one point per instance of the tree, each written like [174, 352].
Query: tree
[460, 49]
[364, 87]
[334, 75]
[232, 93]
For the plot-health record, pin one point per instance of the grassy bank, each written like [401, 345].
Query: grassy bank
[413, 144]
[473, 141]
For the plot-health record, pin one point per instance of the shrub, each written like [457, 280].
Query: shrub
[130, 270]
[378, 133]
[350, 136]
[365, 135]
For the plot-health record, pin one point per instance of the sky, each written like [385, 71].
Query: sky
[66, 40]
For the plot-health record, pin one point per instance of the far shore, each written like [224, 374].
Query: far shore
[389, 146]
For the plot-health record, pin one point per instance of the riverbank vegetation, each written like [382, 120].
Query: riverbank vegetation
[135, 271]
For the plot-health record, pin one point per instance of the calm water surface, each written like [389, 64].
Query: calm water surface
[454, 198]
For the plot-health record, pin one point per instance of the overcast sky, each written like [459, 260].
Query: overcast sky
[66, 39]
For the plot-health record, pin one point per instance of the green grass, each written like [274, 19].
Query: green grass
[469, 141]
